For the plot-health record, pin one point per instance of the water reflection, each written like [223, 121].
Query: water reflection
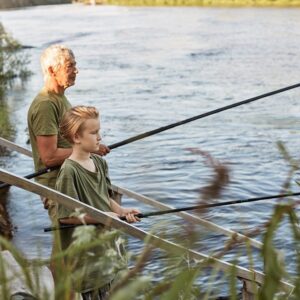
[7, 130]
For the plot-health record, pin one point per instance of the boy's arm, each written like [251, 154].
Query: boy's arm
[86, 219]
[117, 211]
[128, 212]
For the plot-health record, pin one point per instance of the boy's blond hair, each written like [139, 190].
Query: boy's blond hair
[73, 121]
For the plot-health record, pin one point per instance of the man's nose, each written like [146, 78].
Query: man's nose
[76, 70]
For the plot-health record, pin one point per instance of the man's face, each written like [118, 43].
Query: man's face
[66, 73]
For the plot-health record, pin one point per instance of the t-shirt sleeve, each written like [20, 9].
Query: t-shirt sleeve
[108, 182]
[45, 120]
[65, 184]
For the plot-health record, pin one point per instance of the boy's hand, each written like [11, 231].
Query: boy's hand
[129, 214]
[114, 215]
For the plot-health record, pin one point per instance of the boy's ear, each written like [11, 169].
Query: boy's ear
[76, 139]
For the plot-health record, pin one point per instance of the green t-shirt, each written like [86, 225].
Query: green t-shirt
[92, 188]
[44, 116]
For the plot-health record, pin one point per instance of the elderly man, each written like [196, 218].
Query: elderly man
[44, 115]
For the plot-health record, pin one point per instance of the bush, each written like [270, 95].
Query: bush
[12, 60]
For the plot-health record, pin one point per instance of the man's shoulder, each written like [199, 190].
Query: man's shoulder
[41, 99]
[44, 99]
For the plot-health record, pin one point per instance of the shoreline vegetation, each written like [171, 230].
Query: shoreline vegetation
[9, 4]
[200, 3]
[13, 66]
[6, 4]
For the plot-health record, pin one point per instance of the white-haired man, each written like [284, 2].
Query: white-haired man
[44, 115]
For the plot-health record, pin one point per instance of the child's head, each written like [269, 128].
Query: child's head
[80, 122]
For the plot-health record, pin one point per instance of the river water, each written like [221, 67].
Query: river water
[148, 67]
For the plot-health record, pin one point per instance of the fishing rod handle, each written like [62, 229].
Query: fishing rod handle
[139, 215]
[68, 226]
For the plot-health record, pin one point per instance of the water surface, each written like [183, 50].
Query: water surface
[148, 67]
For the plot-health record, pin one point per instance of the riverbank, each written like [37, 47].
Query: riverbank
[206, 3]
[5, 4]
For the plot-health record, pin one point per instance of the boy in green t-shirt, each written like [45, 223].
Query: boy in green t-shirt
[84, 176]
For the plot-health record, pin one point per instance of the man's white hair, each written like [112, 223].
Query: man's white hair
[54, 56]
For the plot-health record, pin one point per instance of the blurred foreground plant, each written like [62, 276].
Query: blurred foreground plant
[179, 276]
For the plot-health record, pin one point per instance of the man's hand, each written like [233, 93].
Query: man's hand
[103, 150]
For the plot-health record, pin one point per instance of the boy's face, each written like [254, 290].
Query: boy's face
[89, 138]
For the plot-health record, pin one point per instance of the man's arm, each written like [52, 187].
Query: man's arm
[51, 155]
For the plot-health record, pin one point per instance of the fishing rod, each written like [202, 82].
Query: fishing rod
[32, 175]
[212, 112]
[167, 127]
[181, 209]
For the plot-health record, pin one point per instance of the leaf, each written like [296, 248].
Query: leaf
[182, 286]
[133, 289]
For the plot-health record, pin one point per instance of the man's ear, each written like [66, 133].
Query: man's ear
[51, 71]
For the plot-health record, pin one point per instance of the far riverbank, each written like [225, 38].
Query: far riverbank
[204, 3]
[6, 4]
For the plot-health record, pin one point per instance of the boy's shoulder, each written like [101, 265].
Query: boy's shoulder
[68, 168]
[99, 160]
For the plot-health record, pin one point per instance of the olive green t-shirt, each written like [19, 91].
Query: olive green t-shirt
[92, 188]
[44, 116]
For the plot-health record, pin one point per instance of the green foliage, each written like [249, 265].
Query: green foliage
[7, 130]
[13, 64]
[28, 273]
[179, 275]
[182, 286]
[273, 266]
[132, 289]
[13, 61]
